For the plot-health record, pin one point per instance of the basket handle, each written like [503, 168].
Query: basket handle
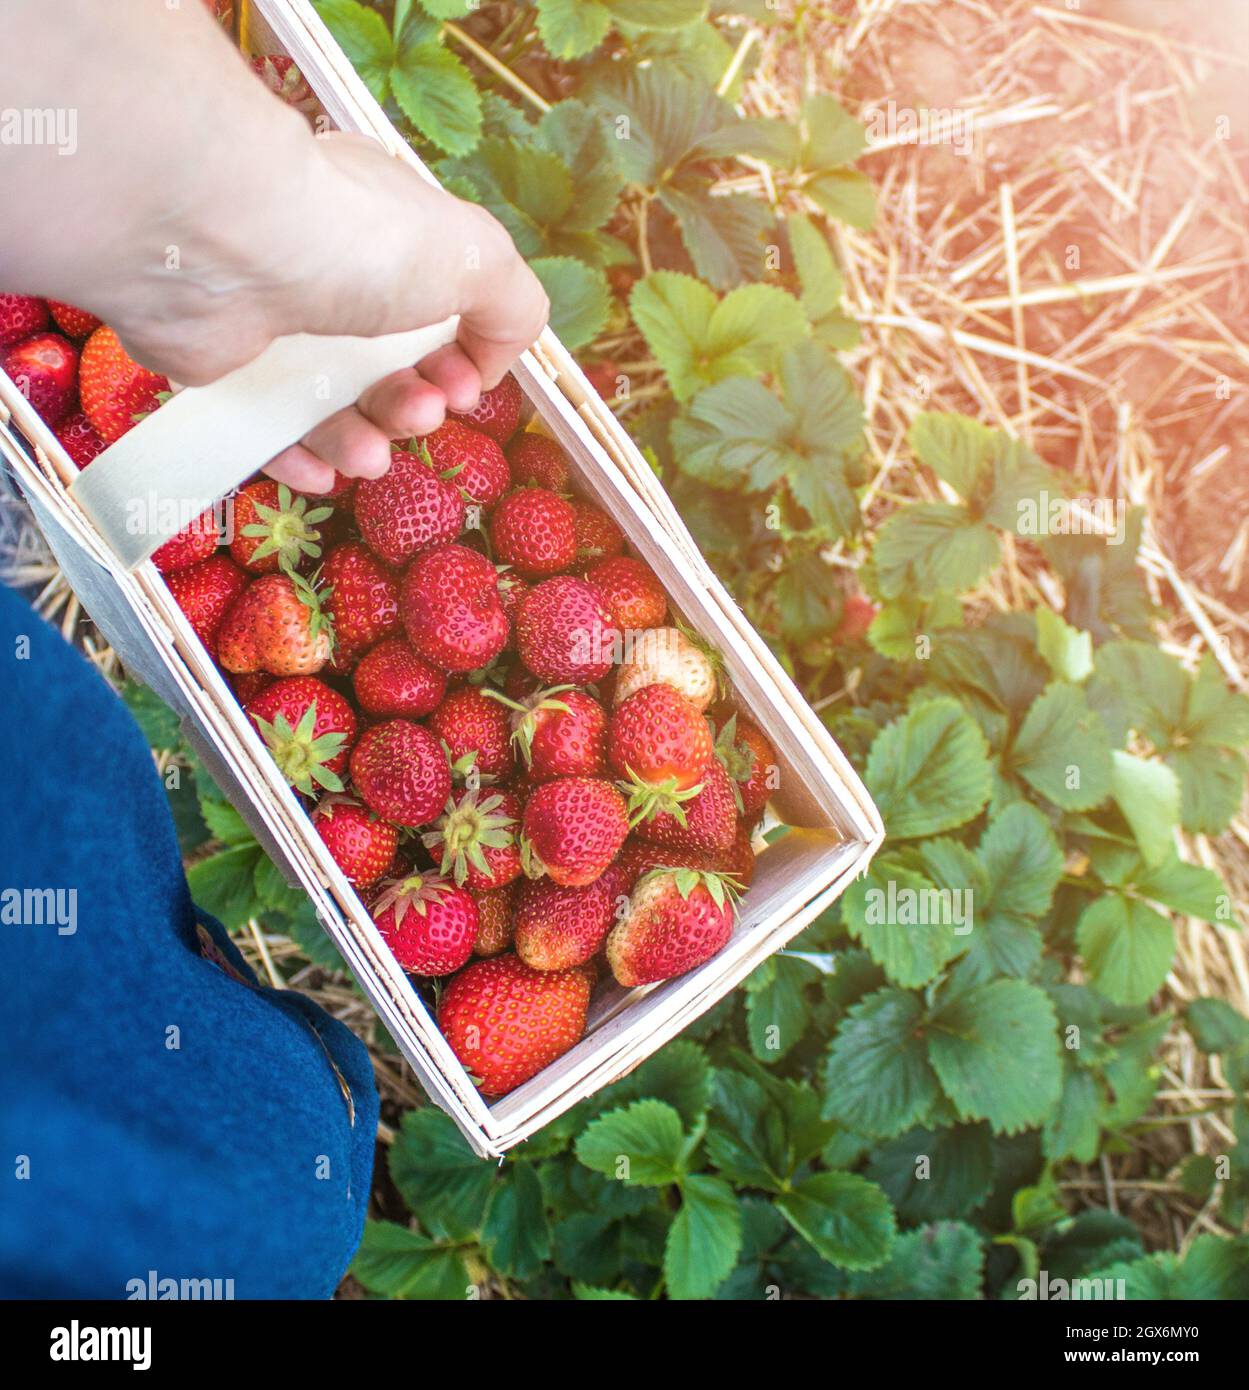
[207, 440]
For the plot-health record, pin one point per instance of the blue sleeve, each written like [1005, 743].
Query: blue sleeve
[161, 1115]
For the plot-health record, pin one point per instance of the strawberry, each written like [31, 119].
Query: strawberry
[857, 614]
[602, 375]
[407, 509]
[73, 322]
[21, 315]
[506, 1021]
[559, 732]
[308, 728]
[391, 681]
[660, 746]
[512, 590]
[276, 625]
[195, 542]
[362, 598]
[631, 592]
[116, 391]
[429, 924]
[494, 920]
[469, 459]
[564, 633]
[401, 772]
[449, 603]
[45, 370]
[750, 761]
[598, 536]
[572, 829]
[497, 413]
[284, 80]
[669, 656]
[475, 730]
[248, 684]
[637, 857]
[705, 824]
[738, 861]
[362, 846]
[474, 840]
[79, 439]
[677, 919]
[205, 592]
[274, 529]
[557, 927]
[537, 461]
[535, 532]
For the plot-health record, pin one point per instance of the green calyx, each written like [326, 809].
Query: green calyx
[737, 759]
[645, 800]
[466, 830]
[414, 893]
[312, 598]
[288, 530]
[530, 864]
[723, 888]
[300, 756]
[525, 715]
[715, 657]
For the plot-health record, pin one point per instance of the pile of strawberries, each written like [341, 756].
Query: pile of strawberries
[523, 764]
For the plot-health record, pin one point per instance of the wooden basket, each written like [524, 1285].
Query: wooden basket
[267, 405]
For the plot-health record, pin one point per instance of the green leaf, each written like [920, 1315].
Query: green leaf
[158, 722]
[831, 135]
[1061, 750]
[1022, 860]
[995, 1051]
[657, 14]
[587, 1293]
[942, 1261]
[930, 1173]
[1067, 651]
[438, 95]
[574, 133]
[363, 36]
[643, 1143]
[776, 1007]
[1187, 888]
[1213, 1268]
[580, 297]
[704, 1238]
[440, 1178]
[572, 28]
[1127, 948]
[1217, 1027]
[1211, 784]
[515, 1233]
[927, 547]
[877, 1078]
[699, 339]
[958, 449]
[929, 770]
[723, 233]
[845, 1218]
[397, 1263]
[225, 884]
[1074, 1129]
[1148, 794]
[224, 822]
[882, 911]
[844, 194]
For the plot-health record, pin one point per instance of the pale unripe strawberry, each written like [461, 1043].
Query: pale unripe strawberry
[667, 656]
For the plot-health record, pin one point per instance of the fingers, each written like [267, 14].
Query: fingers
[300, 469]
[455, 375]
[406, 403]
[505, 307]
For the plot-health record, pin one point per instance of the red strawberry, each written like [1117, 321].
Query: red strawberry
[497, 413]
[705, 824]
[537, 461]
[560, 732]
[494, 920]
[564, 633]
[277, 626]
[602, 375]
[392, 681]
[195, 542]
[572, 829]
[21, 315]
[633, 595]
[451, 611]
[116, 391]
[401, 772]
[362, 846]
[750, 761]
[73, 322]
[535, 532]
[248, 684]
[274, 528]
[470, 460]
[309, 730]
[475, 840]
[476, 731]
[506, 1021]
[407, 509]
[205, 592]
[284, 79]
[512, 590]
[660, 745]
[857, 615]
[598, 536]
[677, 919]
[637, 858]
[362, 598]
[738, 861]
[45, 370]
[557, 927]
[428, 923]
[80, 440]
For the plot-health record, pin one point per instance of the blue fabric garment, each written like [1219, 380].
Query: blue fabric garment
[234, 1154]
